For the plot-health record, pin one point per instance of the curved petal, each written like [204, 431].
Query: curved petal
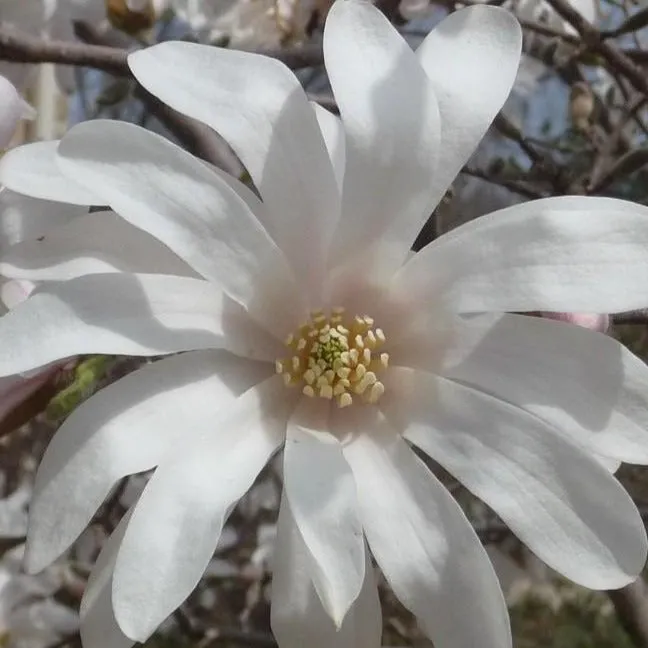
[333, 134]
[391, 121]
[31, 170]
[177, 522]
[23, 218]
[554, 496]
[570, 253]
[277, 138]
[125, 314]
[98, 624]
[96, 243]
[471, 59]
[420, 537]
[586, 385]
[13, 108]
[128, 427]
[297, 616]
[321, 492]
[189, 208]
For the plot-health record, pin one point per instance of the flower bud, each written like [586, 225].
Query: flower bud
[593, 321]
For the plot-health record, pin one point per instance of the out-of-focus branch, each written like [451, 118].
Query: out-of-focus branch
[631, 605]
[18, 47]
[592, 38]
[96, 53]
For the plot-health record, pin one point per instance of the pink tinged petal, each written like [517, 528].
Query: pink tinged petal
[190, 209]
[100, 242]
[22, 217]
[593, 321]
[31, 170]
[391, 120]
[13, 108]
[422, 541]
[471, 59]
[277, 138]
[321, 492]
[128, 427]
[177, 522]
[557, 254]
[124, 314]
[99, 627]
[297, 616]
[584, 384]
[566, 507]
[333, 134]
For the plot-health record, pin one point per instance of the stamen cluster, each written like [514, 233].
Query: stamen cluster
[335, 357]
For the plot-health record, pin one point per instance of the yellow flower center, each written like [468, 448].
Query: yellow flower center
[336, 357]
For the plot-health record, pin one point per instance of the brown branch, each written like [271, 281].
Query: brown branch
[18, 47]
[592, 38]
[631, 605]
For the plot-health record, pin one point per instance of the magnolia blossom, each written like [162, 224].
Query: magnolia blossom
[301, 322]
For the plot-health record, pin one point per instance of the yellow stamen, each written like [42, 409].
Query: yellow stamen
[335, 357]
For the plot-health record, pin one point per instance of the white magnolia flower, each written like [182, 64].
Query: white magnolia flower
[374, 351]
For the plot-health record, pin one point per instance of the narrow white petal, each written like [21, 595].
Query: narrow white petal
[422, 541]
[277, 138]
[321, 492]
[99, 628]
[128, 427]
[22, 217]
[333, 134]
[566, 507]
[188, 207]
[31, 170]
[100, 242]
[297, 616]
[391, 120]
[126, 314]
[177, 522]
[583, 383]
[472, 59]
[573, 253]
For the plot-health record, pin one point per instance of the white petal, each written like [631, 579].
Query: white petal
[422, 541]
[100, 242]
[585, 384]
[177, 522]
[391, 120]
[569, 253]
[189, 208]
[472, 59]
[99, 627]
[22, 217]
[321, 492]
[277, 139]
[552, 494]
[297, 616]
[127, 427]
[125, 314]
[13, 108]
[333, 134]
[31, 170]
